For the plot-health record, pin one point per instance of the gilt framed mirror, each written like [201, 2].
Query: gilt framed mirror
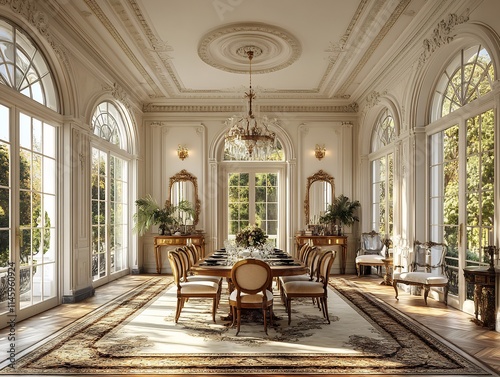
[320, 191]
[184, 186]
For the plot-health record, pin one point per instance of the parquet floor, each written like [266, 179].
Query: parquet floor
[451, 324]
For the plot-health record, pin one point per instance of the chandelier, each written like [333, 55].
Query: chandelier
[249, 137]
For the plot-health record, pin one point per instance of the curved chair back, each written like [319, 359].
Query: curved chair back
[251, 276]
[325, 266]
[176, 266]
[371, 243]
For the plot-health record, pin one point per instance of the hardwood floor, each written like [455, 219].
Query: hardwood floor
[454, 326]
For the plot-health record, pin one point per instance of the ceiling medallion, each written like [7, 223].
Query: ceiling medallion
[225, 48]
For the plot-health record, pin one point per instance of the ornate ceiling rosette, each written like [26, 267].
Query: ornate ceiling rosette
[225, 48]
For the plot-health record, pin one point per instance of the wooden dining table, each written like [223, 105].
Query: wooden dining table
[280, 266]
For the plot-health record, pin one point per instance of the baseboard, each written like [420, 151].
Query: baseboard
[79, 295]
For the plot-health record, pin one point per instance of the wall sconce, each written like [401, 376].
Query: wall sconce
[320, 151]
[182, 152]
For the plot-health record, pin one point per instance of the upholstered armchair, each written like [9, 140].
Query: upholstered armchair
[427, 269]
[372, 252]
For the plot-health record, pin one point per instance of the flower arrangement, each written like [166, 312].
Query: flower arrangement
[251, 236]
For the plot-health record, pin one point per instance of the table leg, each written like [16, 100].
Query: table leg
[158, 259]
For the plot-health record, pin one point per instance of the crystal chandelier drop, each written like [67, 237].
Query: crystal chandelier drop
[248, 136]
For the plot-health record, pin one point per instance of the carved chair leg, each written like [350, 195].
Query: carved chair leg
[395, 285]
[426, 293]
[445, 295]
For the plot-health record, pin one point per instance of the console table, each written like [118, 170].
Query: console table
[326, 241]
[159, 241]
[484, 294]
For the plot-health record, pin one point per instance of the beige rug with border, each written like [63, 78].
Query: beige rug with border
[135, 334]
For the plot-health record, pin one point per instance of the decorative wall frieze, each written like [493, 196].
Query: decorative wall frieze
[351, 108]
[373, 99]
[151, 107]
[28, 9]
[118, 93]
[442, 35]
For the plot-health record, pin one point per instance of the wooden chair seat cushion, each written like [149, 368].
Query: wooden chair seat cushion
[303, 288]
[195, 278]
[251, 299]
[418, 277]
[199, 287]
[287, 279]
[372, 259]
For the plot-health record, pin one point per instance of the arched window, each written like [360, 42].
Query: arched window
[383, 133]
[382, 174]
[29, 194]
[108, 124]
[461, 170]
[24, 68]
[110, 199]
[468, 76]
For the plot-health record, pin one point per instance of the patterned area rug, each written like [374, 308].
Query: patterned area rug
[135, 334]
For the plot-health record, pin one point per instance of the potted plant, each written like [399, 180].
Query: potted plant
[342, 210]
[150, 213]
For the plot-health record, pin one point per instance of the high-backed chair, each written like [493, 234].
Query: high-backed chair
[427, 269]
[316, 289]
[188, 258]
[371, 253]
[252, 280]
[191, 289]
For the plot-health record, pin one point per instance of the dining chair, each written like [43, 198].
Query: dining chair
[310, 259]
[188, 260]
[191, 289]
[316, 289]
[252, 280]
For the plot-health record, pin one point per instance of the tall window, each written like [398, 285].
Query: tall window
[28, 183]
[253, 199]
[110, 199]
[382, 175]
[253, 191]
[462, 164]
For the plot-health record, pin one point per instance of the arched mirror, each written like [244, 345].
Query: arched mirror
[320, 191]
[183, 186]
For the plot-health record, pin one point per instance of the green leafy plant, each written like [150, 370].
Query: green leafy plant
[149, 213]
[342, 210]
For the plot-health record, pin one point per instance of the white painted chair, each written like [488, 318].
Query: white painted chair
[422, 272]
[371, 253]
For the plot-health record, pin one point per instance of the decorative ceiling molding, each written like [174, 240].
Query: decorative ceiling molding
[97, 11]
[442, 35]
[336, 48]
[225, 48]
[351, 108]
[373, 46]
[151, 107]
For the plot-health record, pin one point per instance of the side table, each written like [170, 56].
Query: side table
[388, 264]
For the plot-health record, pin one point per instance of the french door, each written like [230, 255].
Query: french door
[462, 206]
[28, 215]
[253, 197]
[110, 226]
